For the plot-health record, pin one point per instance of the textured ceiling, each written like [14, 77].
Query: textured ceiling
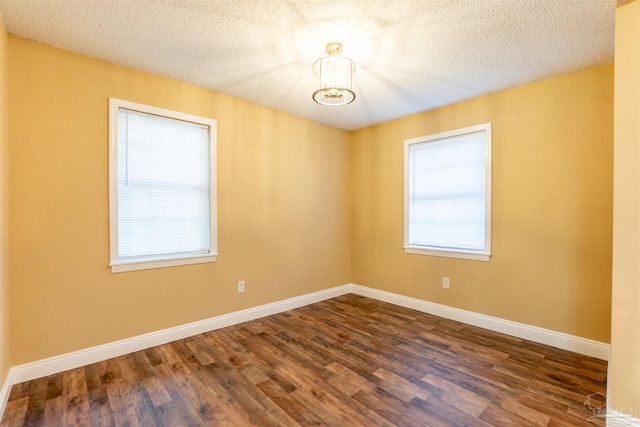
[411, 55]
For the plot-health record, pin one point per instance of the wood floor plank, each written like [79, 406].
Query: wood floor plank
[230, 411]
[15, 412]
[122, 405]
[157, 391]
[347, 361]
[100, 408]
[347, 380]
[496, 415]
[392, 409]
[99, 405]
[302, 414]
[75, 398]
[440, 413]
[142, 365]
[399, 387]
[53, 410]
[54, 386]
[37, 402]
[334, 401]
[511, 406]
[457, 396]
[173, 380]
[144, 408]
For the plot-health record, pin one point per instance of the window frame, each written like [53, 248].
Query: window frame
[117, 265]
[483, 255]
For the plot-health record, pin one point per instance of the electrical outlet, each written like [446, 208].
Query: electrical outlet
[445, 282]
[241, 286]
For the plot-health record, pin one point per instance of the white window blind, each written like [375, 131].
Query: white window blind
[448, 193]
[163, 190]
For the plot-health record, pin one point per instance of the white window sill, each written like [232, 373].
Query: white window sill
[447, 253]
[117, 267]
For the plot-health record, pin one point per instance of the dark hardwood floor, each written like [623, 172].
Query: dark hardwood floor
[348, 361]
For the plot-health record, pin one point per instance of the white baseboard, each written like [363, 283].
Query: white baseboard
[5, 391]
[57, 364]
[618, 419]
[76, 359]
[584, 346]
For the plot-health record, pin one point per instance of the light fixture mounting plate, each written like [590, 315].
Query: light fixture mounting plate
[334, 48]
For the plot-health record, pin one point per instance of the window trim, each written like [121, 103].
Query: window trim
[149, 263]
[446, 252]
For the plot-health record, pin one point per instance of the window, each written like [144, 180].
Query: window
[448, 194]
[162, 188]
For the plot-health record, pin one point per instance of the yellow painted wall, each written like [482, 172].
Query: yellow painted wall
[283, 217]
[624, 369]
[5, 361]
[552, 207]
[302, 207]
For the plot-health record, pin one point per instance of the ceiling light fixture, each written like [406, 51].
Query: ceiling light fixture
[334, 78]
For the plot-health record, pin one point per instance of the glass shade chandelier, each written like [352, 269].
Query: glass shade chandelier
[334, 78]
